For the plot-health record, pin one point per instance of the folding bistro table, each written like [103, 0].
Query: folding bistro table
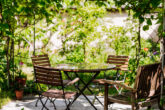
[92, 68]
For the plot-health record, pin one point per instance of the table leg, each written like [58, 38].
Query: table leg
[86, 86]
[82, 90]
[89, 88]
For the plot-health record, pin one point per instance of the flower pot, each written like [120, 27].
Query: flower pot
[19, 94]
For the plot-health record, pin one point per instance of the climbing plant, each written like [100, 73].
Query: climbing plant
[16, 16]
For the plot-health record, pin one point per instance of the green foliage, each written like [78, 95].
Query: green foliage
[75, 56]
[141, 8]
[16, 25]
[31, 87]
[120, 40]
[79, 30]
[3, 77]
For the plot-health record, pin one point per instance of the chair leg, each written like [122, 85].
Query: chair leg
[135, 107]
[37, 100]
[149, 107]
[94, 99]
[95, 94]
[43, 104]
[53, 102]
[67, 105]
[106, 97]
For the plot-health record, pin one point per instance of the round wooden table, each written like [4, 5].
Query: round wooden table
[92, 68]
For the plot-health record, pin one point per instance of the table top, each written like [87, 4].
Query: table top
[84, 67]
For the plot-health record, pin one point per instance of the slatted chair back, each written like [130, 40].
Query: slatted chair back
[121, 62]
[48, 76]
[41, 60]
[147, 82]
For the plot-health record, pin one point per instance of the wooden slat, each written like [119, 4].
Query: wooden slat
[123, 69]
[125, 100]
[43, 65]
[113, 56]
[49, 83]
[113, 62]
[48, 75]
[49, 79]
[118, 59]
[39, 56]
[46, 71]
[122, 66]
[41, 59]
[41, 62]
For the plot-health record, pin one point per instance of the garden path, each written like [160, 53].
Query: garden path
[80, 104]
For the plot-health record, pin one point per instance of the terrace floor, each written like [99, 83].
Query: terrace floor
[28, 103]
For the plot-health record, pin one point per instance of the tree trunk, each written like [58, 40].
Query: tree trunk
[1, 17]
[162, 49]
[8, 61]
[139, 45]
[12, 58]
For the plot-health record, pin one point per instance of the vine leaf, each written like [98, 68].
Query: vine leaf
[146, 27]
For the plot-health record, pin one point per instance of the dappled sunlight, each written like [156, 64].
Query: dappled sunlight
[80, 104]
[92, 48]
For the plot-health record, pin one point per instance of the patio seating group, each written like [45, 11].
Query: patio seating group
[145, 92]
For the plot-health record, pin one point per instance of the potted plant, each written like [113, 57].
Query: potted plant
[19, 90]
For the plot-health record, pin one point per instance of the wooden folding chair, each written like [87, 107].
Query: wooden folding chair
[43, 60]
[121, 63]
[52, 78]
[146, 89]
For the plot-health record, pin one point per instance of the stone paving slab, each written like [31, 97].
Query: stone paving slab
[80, 104]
